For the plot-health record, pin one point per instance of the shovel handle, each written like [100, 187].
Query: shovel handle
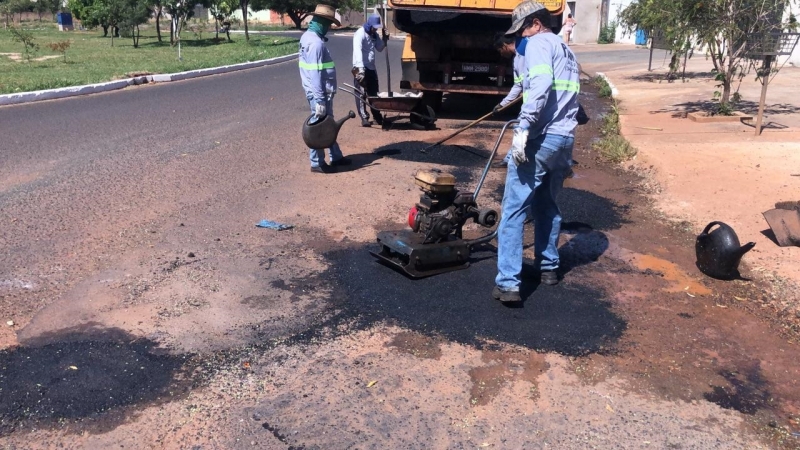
[470, 125]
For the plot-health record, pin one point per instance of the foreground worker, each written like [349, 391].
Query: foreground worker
[366, 42]
[318, 75]
[541, 150]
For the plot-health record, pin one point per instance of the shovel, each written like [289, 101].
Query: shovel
[784, 221]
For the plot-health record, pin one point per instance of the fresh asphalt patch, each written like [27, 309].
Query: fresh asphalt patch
[570, 319]
[92, 377]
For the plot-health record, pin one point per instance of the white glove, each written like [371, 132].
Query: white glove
[319, 109]
[518, 146]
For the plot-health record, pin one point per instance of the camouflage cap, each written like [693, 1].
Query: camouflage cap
[522, 11]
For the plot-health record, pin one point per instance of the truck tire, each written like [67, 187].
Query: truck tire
[432, 99]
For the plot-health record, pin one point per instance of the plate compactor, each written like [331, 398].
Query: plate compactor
[434, 244]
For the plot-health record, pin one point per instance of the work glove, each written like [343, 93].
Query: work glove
[384, 34]
[498, 108]
[518, 146]
[320, 110]
[360, 75]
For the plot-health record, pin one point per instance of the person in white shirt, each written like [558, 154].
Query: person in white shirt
[365, 43]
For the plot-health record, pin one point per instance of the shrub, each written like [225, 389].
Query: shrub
[613, 147]
[60, 47]
[603, 88]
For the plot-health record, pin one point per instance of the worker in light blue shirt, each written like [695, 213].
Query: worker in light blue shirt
[318, 75]
[366, 42]
[541, 150]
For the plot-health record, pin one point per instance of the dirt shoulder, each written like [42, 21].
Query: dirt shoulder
[703, 172]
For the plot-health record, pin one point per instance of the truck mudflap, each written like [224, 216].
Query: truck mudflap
[458, 88]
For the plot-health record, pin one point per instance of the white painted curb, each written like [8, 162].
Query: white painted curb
[614, 90]
[217, 70]
[52, 94]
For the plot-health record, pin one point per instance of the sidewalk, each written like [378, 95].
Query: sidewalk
[710, 171]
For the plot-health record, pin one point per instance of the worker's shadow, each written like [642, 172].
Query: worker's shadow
[584, 246]
[361, 160]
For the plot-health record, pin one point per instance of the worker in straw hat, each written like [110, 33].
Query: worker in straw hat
[541, 150]
[318, 75]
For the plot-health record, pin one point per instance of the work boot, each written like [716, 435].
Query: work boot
[366, 123]
[502, 164]
[505, 296]
[378, 119]
[343, 161]
[549, 277]
[322, 168]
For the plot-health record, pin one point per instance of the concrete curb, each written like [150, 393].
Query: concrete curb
[73, 91]
[217, 70]
[614, 90]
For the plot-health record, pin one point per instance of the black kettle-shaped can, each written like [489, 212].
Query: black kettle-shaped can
[719, 252]
[321, 134]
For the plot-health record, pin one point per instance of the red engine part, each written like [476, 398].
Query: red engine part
[412, 219]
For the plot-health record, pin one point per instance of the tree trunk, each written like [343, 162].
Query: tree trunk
[158, 22]
[171, 32]
[105, 30]
[228, 33]
[244, 4]
[216, 29]
[136, 37]
[112, 38]
[296, 18]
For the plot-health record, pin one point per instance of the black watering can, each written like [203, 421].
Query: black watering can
[322, 133]
[719, 251]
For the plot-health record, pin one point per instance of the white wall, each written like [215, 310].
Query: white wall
[587, 15]
[622, 35]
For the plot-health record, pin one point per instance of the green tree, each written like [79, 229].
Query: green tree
[93, 14]
[10, 7]
[180, 11]
[24, 37]
[41, 7]
[158, 11]
[299, 10]
[7, 12]
[721, 26]
[222, 12]
[132, 14]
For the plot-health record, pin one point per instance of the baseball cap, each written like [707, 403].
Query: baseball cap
[522, 11]
[374, 21]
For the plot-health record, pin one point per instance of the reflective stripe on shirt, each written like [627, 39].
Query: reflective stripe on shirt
[540, 69]
[320, 66]
[566, 85]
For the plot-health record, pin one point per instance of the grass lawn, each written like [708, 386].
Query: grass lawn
[92, 59]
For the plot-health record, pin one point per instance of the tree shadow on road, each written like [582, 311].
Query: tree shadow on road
[745, 106]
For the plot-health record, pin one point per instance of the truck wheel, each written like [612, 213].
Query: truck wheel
[432, 99]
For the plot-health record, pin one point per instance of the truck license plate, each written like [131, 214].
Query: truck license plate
[475, 68]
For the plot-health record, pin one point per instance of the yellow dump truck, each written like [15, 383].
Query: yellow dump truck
[449, 45]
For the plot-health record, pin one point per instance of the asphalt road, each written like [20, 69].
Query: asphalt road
[70, 166]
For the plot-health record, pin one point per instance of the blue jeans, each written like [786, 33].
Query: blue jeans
[317, 156]
[532, 187]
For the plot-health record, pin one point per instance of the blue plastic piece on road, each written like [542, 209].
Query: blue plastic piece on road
[273, 225]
